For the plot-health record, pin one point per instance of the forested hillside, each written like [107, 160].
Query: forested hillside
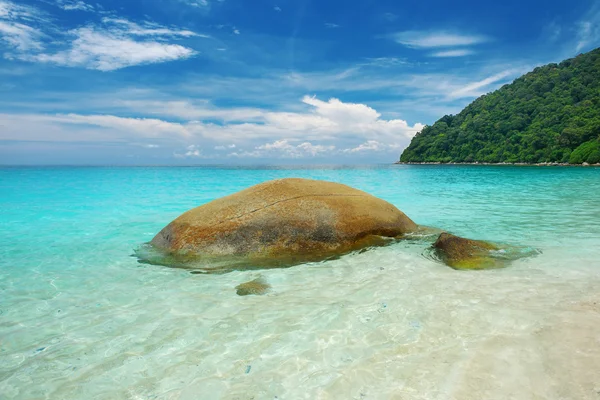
[551, 114]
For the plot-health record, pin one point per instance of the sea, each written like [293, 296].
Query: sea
[82, 318]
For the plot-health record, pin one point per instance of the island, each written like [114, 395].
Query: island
[549, 115]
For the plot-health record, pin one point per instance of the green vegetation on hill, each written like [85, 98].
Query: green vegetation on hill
[551, 114]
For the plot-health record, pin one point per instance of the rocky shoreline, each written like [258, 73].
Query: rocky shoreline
[546, 164]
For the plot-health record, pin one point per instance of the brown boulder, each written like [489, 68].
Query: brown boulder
[255, 287]
[283, 222]
[461, 253]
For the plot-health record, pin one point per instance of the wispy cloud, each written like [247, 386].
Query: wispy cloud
[196, 3]
[436, 39]
[146, 29]
[474, 89]
[588, 29]
[20, 36]
[115, 43]
[108, 51]
[75, 5]
[331, 25]
[277, 8]
[16, 28]
[452, 53]
[385, 62]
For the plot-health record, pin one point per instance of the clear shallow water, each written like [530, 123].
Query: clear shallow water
[81, 319]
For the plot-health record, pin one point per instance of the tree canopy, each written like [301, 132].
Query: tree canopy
[551, 114]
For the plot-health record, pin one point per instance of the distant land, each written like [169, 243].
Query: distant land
[549, 115]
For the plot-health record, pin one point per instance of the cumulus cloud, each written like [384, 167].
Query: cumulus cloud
[190, 151]
[322, 129]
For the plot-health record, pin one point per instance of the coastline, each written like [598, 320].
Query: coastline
[546, 164]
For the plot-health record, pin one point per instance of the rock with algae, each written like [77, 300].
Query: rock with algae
[461, 253]
[256, 287]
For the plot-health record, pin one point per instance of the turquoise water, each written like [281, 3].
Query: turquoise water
[80, 318]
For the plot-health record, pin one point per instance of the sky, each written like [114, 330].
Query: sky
[188, 82]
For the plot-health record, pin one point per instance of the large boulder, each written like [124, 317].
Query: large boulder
[281, 222]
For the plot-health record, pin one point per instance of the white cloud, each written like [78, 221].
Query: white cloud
[145, 127]
[116, 43]
[285, 149]
[429, 39]
[372, 146]
[75, 5]
[12, 11]
[20, 36]
[236, 31]
[196, 3]
[106, 51]
[228, 147]
[385, 62]
[331, 25]
[588, 30]
[15, 29]
[473, 89]
[277, 8]
[148, 28]
[190, 151]
[452, 53]
[318, 130]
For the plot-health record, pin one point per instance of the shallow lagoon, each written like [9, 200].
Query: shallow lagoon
[81, 318]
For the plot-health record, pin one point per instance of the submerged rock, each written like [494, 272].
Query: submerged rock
[279, 223]
[461, 253]
[257, 287]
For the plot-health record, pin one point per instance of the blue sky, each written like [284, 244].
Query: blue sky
[256, 82]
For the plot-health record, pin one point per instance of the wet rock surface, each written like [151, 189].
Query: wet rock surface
[280, 223]
[255, 287]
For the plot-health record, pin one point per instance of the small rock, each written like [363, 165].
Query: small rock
[461, 253]
[257, 286]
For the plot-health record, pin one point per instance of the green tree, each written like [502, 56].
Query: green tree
[546, 115]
